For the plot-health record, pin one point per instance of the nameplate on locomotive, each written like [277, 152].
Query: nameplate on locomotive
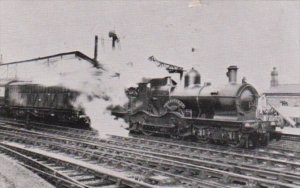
[174, 104]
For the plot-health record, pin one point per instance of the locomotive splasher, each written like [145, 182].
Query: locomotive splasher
[224, 115]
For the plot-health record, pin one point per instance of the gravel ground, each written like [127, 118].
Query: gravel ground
[13, 175]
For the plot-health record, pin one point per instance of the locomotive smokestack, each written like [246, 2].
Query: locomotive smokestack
[232, 74]
[96, 48]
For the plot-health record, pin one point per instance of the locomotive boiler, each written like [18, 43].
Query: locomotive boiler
[26, 100]
[225, 114]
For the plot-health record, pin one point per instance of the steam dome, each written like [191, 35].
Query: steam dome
[192, 77]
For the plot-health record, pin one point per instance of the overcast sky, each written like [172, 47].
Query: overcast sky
[254, 35]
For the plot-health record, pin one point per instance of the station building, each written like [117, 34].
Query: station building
[282, 94]
[64, 63]
[43, 67]
[284, 97]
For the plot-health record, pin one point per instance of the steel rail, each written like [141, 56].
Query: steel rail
[49, 173]
[44, 126]
[102, 175]
[278, 153]
[111, 158]
[254, 161]
[272, 150]
[191, 151]
[262, 150]
[231, 155]
[280, 176]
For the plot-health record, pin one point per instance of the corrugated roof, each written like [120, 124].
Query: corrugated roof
[293, 89]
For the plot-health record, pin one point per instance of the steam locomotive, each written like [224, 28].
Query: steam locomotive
[29, 101]
[225, 115]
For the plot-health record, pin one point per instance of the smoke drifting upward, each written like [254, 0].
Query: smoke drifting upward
[99, 88]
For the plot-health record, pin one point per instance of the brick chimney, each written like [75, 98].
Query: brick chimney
[274, 77]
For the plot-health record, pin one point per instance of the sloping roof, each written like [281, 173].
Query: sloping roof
[284, 89]
[76, 53]
[290, 111]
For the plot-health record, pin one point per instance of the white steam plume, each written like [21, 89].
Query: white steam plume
[95, 85]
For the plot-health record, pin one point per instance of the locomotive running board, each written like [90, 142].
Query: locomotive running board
[195, 121]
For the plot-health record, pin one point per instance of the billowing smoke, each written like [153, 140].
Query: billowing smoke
[99, 88]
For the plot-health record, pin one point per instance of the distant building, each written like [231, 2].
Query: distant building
[282, 94]
[284, 99]
[26, 68]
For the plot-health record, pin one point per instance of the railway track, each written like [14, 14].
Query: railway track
[56, 129]
[263, 156]
[291, 137]
[277, 153]
[108, 159]
[277, 148]
[67, 172]
[288, 142]
[224, 172]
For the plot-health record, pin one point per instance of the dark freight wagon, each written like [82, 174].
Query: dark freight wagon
[31, 101]
[25, 100]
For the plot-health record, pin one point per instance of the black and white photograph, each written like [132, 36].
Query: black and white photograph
[149, 94]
